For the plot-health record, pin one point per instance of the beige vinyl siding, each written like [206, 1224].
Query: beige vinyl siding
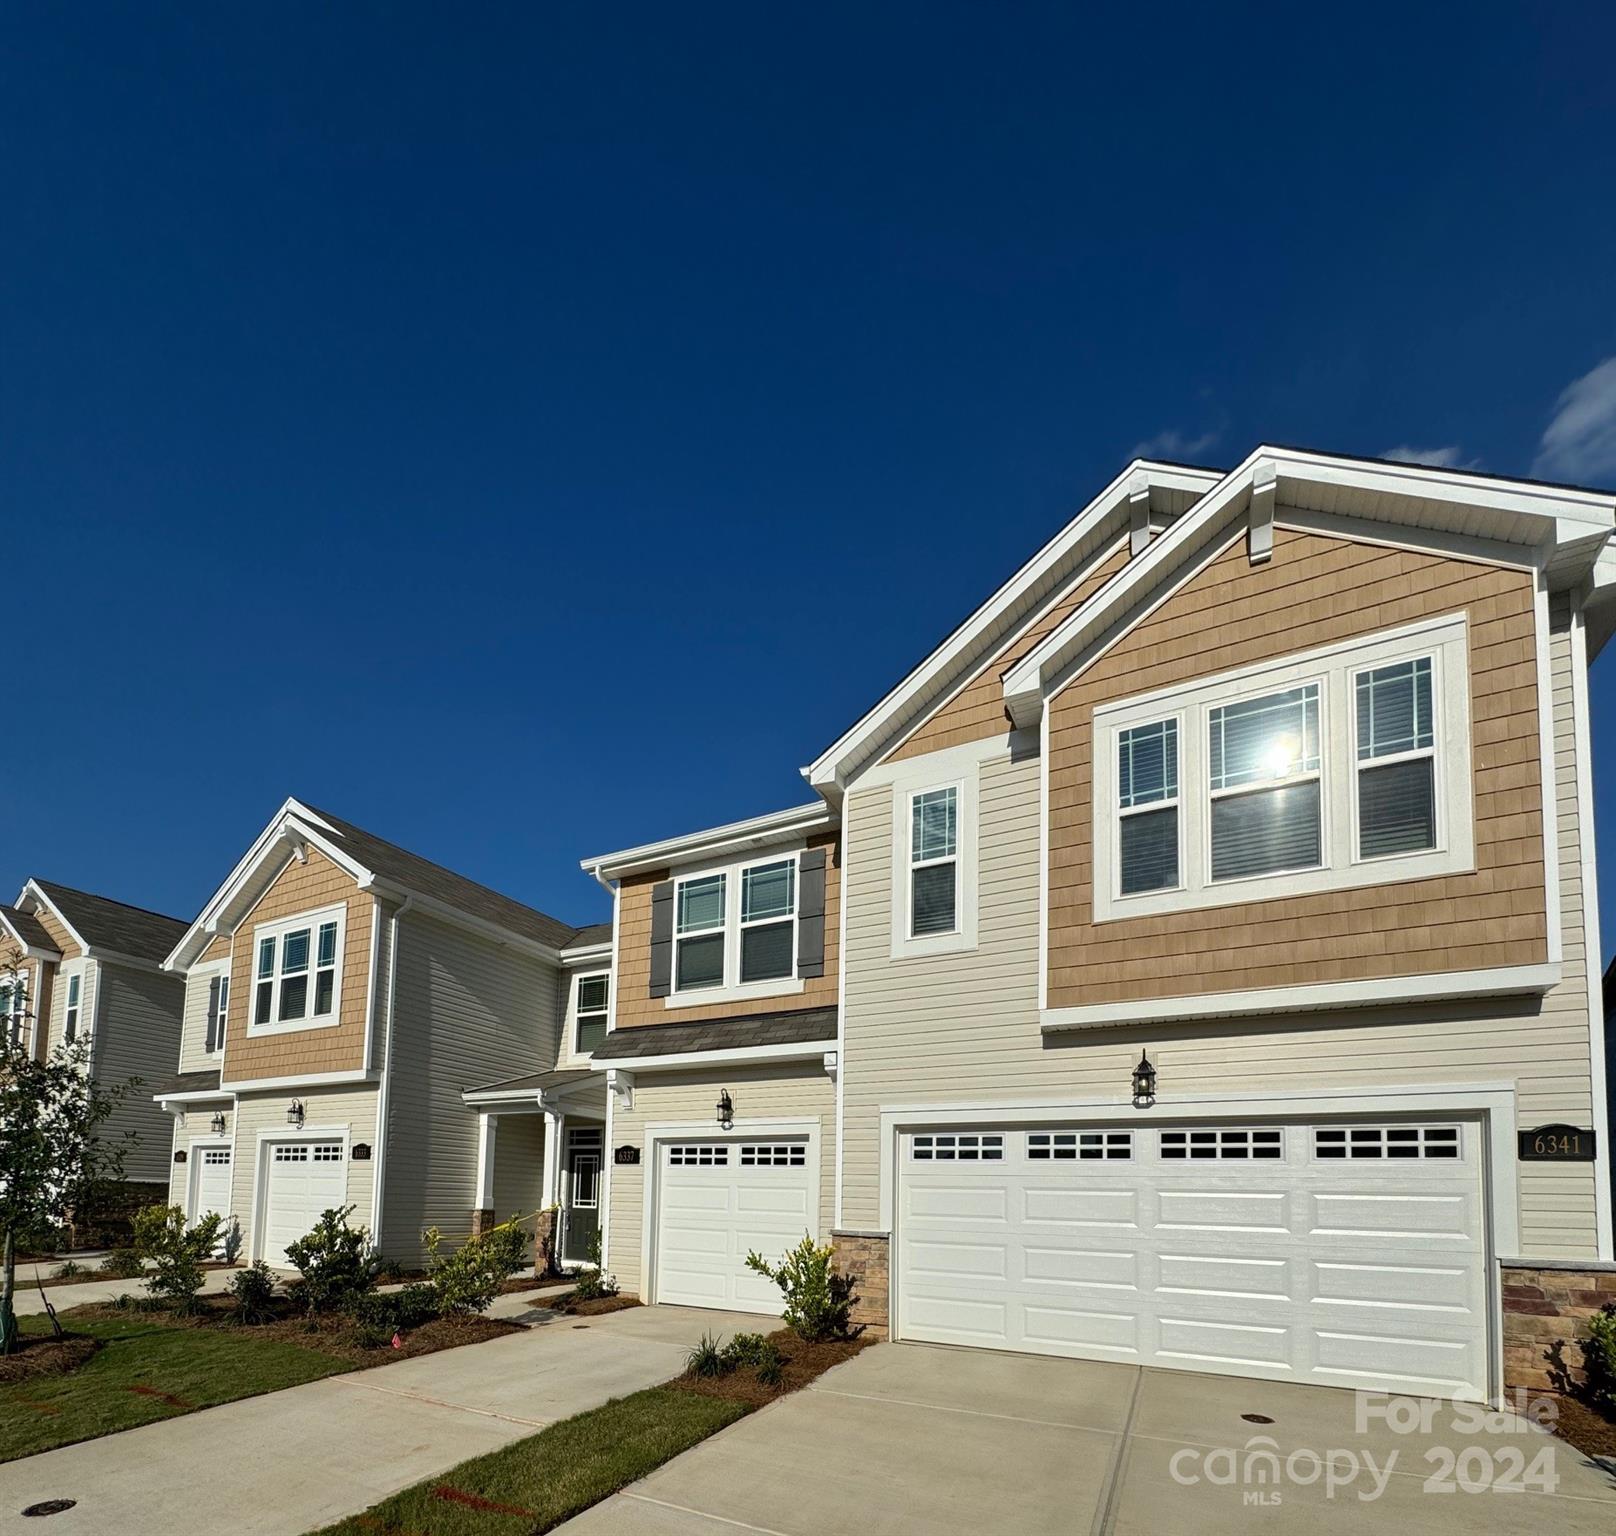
[965, 1027]
[336, 1109]
[137, 1034]
[795, 1092]
[194, 1054]
[198, 1126]
[468, 1012]
[518, 1166]
[86, 970]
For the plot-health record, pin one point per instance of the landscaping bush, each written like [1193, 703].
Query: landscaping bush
[123, 1264]
[336, 1261]
[751, 1349]
[1599, 1359]
[68, 1270]
[706, 1359]
[470, 1277]
[396, 1311]
[176, 1252]
[746, 1350]
[593, 1283]
[230, 1242]
[819, 1301]
[254, 1293]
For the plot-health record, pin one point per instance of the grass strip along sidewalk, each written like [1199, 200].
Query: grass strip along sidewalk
[538, 1483]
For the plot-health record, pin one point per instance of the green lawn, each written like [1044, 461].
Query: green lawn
[146, 1372]
[537, 1483]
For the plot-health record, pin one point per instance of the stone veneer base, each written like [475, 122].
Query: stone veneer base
[1546, 1306]
[864, 1256]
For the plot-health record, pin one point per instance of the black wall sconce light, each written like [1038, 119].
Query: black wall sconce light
[726, 1109]
[216, 1125]
[294, 1114]
[1144, 1083]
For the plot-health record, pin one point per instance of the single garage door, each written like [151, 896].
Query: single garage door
[1348, 1255]
[716, 1201]
[303, 1179]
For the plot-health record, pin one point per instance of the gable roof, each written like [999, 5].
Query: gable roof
[1145, 493]
[375, 864]
[1563, 530]
[113, 927]
[28, 931]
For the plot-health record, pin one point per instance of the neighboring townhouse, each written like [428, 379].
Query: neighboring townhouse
[1210, 968]
[341, 996]
[74, 966]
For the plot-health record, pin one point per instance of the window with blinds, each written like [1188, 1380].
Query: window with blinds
[1396, 772]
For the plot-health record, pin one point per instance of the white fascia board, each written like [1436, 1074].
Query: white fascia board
[29, 951]
[777, 826]
[352, 1078]
[825, 772]
[687, 1061]
[591, 954]
[514, 1097]
[195, 1096]
[1499, 981]
[32, 889]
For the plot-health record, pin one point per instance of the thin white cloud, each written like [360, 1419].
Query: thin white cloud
[1579, 444]
[1451, 457]
[1173, 444]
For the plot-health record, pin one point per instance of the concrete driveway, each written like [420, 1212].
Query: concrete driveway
[915, 1438]
[290, 1462]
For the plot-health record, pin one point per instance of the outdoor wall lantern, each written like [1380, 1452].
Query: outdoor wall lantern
[726, 1110]
[217, 1124]
[294, 1114]
[1144, 1083]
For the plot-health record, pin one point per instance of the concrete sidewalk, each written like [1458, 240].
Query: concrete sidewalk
[289, 1462]
[28, 1302]
[913, 1439]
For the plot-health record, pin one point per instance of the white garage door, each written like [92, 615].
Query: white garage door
[1348, 1255]
[303, 1179]
[716, 1200]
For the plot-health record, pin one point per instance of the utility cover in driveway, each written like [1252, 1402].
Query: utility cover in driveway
[1341, 1254]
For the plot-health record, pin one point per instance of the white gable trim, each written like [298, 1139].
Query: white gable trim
[32, 889]
[29, 951]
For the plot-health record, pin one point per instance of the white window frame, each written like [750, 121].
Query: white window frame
[1175, 803]
[1444, 640]
[905, 791]
[733, 988]
[1359, 765]
[72, 1005]
[917, 862]
[224, 1012]
[604, 1014]
[277, 930]
[18, 990]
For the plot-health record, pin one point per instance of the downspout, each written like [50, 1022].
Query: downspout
[604, 1215]
[379, 1188]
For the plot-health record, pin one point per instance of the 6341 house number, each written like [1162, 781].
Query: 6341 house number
[1557, 1144]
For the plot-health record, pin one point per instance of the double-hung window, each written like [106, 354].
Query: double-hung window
[1266, 780]
[1396, 759]
[223, 1015]
[70, 1016]
[933, 862]
[1341, 767]
[594, 997]
[736, 927]
[295, 971]
[14, 1006]
[1147, 805]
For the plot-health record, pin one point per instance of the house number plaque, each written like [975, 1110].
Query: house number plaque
[1557, 1144]
[626, 1156]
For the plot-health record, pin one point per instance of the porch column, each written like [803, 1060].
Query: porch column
[552, 1157]
[482, 1210]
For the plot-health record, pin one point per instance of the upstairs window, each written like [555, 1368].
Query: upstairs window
[736, 927]
[1147, 803]
[1396, 776]
[14, 1007]
[1265, 777]
[594, 997]
[768, 920]
[700, 928]
[934, 862]
[295, 973]
[70, 1017]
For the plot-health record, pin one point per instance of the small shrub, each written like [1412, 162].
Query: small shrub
[706, 1359]
[123, 1264]
[123, 1301]
[1599, 1359]
[819, 1301]
[336, 1261]
[373, 1335]
[176, 1252]
[396, 1311]
[593, 1283]
[772, 1372]
[254, 1293]
[230, 1241]
[753, 1351]
[470, 1277]
[68, 1269]
[389, 1271]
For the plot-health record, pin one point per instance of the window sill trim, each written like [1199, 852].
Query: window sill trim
[745, 993]
[1500, 981]
[291, 1027]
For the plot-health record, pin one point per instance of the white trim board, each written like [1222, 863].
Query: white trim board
[694, 1061]
[1500, 981]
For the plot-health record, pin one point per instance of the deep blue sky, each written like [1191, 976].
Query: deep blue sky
[529, 430]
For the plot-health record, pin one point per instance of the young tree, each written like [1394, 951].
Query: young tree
[51, 1157]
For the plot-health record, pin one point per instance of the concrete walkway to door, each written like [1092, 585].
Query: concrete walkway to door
[915, 1438]
[290, 1462]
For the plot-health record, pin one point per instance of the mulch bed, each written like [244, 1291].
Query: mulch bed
[47, 1356]
[331, 1334]
[803, 1363]
[1584, 1427]
[598, 1306]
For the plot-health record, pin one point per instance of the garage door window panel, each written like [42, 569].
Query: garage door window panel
[1388, 1142]
[1080, 1146]
[1216, 1144]
[957, 1148]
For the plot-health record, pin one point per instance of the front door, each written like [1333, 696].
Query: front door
[583, 1205]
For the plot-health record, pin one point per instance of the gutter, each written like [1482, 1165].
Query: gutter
[383, 1094]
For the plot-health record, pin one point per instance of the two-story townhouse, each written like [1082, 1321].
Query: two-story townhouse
[341, 996]
[1218, 949]
[76, 966]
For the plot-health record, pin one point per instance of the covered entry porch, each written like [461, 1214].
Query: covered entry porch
[541, 1149]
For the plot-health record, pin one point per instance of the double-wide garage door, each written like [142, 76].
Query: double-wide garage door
[718, 1200]
[1345, 1254]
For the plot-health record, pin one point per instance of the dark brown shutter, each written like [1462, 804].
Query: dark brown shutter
[811, 913]
[213, 1015]
[662, 939]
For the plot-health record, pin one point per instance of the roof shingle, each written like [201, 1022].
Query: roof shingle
[807, 1025]
[114, 925]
